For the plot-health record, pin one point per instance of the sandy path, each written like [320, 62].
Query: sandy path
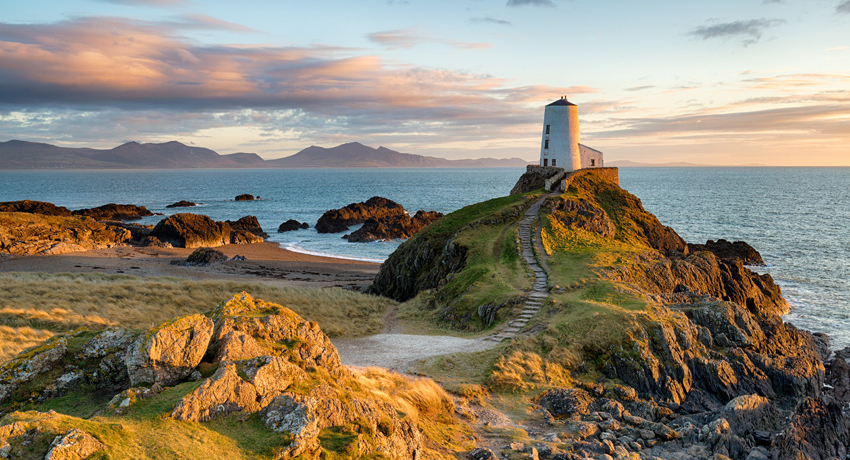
[399, 351]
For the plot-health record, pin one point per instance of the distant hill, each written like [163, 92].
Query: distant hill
[16, 154]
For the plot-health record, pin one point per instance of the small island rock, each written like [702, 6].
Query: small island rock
[181, 204]
[245, 197]
[292, 225]
[338, 220]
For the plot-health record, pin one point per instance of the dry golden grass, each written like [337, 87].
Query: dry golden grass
[524, 371]
[63, 302]
[423, 401]
[15, 339]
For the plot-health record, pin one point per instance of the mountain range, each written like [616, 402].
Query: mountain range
[17, 154]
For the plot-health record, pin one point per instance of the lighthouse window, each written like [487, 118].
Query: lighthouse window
[553, 161]
[547, 129]
[592, 162]
[546, 144]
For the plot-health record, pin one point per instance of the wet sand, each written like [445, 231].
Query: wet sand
[265, 262]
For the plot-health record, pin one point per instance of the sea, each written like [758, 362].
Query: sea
[798, 218]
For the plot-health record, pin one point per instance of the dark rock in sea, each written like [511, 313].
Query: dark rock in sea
[292, 225]
[35, 207]
[248, 224]
[392, 227]
[192, 231]
[338, 220]
[732, 252]
[245, 197]
[114, 211]
[181, 204]
[205, 256]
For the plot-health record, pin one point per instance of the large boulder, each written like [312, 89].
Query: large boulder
[74, 445]
[29, 234]
[205, 256]
[248, 224]
[338, 220]
[35, 207]
[114, 211]
[192, 231]
[392, 227]
[170, 352]
[267, 324]
[226, 391]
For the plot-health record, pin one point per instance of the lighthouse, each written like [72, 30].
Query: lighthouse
[560, 146]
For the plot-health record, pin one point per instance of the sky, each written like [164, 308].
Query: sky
[710, 82]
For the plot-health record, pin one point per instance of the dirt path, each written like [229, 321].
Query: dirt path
[397, 351]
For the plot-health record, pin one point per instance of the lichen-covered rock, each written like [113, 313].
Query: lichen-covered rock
[30, 364]
[561, 402]
[205, 256]
[29, 234]
[192, 231]
[169, 353]
[74, 445]
[305, 416]
[304, 342]
[223, 393]
[114, 211]
[338, 220]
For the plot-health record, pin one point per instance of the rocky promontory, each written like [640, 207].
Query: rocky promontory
[644, 346]
[248, 363]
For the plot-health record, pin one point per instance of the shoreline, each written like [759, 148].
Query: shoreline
[266, 262]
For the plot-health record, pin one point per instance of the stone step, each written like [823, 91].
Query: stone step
[518, 323]
[510, 329]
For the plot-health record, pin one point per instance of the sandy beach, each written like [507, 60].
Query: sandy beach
[265, 262]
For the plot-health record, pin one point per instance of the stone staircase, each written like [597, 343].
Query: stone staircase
[540, 291]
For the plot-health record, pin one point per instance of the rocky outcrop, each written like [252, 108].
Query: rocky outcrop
[114, 211]
[29, 234]
[35, 207]
[169, 353]
[74, 445]
[248, 224]
[730, 252]
[192, 231]
[392, 227]
[338, 220]
[580, 213]
[138, 232]
[205, 256]
[181, 204]
[30, 364]
[292, 225]
[153, 242]
[245, 197]
[534, 178]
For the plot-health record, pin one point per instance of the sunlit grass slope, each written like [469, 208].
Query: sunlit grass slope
[33, 306]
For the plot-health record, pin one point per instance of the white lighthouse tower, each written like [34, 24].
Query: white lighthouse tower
[560, 145]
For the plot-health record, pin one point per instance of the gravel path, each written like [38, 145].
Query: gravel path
[398, 351]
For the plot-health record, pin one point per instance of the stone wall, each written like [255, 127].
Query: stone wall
[611, 174]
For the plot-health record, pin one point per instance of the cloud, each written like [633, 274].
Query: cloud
[748, 31]
[843, 7]
[142, 80]
[490, 20]
[548, 3]
[146, 2]
[408, 38]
